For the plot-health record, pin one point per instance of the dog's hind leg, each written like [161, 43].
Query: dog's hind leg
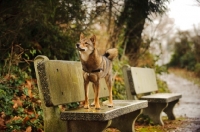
[108, 80]
[86, 88]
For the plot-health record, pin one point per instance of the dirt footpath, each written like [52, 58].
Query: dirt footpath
[189, 105]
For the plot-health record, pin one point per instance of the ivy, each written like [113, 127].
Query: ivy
[19, 103]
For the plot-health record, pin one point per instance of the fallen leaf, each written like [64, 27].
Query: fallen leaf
[28, 129]
[17, 102]
[29, 86]
[25, 119]
[2, 124]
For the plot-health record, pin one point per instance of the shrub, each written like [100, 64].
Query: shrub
[119, 91]
[188, 61]
[174, 60]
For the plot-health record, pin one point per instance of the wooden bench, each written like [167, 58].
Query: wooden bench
[61, 82]
[140, 81]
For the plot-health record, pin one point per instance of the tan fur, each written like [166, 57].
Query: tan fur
[112, 53]
[95, 66]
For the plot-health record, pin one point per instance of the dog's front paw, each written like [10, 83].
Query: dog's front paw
[110, 105]
[97, 107]
[107, 103]
[86, 107]
[92, 104]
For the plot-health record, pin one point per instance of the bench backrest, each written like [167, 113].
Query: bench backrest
[62, 82]
[139, 80]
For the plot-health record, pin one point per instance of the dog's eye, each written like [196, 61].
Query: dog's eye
[86, 43]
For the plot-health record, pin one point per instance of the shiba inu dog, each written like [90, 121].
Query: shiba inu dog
[95, 66]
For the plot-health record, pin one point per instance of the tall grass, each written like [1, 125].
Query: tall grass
[189, 75]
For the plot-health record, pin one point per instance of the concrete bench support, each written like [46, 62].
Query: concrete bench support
[154, 112]
[169, 109]
[129, 119]
[96, 126]
[87, 126]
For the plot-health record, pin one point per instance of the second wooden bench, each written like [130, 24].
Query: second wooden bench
[143, 81]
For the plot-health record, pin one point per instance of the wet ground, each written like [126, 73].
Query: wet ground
[189, 105]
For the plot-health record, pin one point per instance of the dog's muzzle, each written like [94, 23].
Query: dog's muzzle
[78, 47]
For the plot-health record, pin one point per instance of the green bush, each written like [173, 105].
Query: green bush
[162, 86]
[119, 91]
[188, 61]
[174, 60]
[186, 52]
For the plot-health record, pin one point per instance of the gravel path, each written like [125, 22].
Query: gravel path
[189, 104]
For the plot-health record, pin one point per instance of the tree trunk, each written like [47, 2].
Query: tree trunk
[131, 23]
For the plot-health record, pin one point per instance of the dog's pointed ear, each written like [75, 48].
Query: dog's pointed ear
[93, 39]
[82, 36]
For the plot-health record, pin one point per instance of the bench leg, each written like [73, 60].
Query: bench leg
[154, 111]
[87, 126]
[52, 122]
[126, 123]
[169, 110]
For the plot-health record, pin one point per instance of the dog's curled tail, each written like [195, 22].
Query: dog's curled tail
[111, 53]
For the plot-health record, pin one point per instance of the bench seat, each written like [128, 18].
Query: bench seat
[120, 107]
[91, 120]
[161, 97]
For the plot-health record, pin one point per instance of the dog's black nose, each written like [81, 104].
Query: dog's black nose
[77, 45]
